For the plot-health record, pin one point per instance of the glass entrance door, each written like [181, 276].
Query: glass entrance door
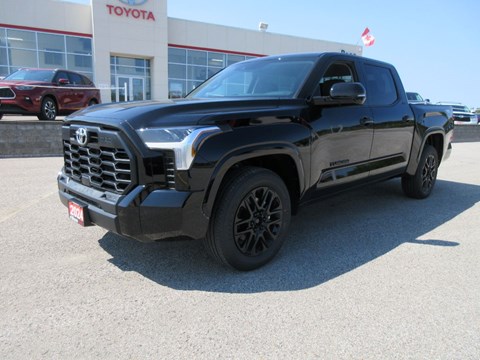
[130, 88]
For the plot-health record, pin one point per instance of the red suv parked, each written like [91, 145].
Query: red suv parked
[46, 93]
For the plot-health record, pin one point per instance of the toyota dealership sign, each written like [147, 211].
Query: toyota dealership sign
[127, 11]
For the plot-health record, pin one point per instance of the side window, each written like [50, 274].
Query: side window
[381, 88]
[86, 80]
[336, 73]
[75, 79]
[60, 75]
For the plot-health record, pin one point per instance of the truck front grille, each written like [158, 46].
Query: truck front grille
[103, 168]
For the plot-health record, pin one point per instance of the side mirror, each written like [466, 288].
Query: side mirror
[353, 93]
[63, 81]
[343, 94]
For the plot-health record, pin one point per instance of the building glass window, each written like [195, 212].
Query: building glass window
[197, 57]
[3, 71]
[3, 53]
[23, 58]
[3, 36]
[177, 71]
[24, 48]
[232, 59]
[197, 73]
[187, 68]
[21, 39]
[80, 63]
[49, 59]
[212, 71]
[78, 45]
[51, 42]
[178, 56]
[216, 59]
[3, 56]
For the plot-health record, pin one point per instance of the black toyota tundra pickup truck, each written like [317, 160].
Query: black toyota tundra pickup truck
[232, 161]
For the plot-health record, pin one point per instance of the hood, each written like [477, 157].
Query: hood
[184, 112]
[11, 83]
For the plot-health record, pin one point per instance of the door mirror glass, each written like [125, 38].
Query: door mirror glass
[350, 93]
[353, 92]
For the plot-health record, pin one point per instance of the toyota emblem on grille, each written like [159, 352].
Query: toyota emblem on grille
[82, 136]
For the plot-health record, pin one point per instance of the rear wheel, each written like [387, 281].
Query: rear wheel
[1, 116]
[250, 219]
[420, 185]
[92, 102]
[48, 110]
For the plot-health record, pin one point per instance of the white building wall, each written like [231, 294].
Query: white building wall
[52, 15]
[225, 38]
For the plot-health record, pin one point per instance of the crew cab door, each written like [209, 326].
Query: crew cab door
[343, 134]
[393, 118]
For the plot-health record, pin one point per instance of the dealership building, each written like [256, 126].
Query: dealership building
[131, 48]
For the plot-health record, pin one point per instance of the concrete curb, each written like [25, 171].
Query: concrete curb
[34, 138]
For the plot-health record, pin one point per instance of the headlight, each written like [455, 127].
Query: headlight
[184, 141]
[24, 87]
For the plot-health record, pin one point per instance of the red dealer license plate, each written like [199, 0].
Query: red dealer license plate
[78, 213]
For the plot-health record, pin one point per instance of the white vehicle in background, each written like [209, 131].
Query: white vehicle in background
[462, 115]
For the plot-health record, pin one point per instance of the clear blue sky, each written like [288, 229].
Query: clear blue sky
[435, 45]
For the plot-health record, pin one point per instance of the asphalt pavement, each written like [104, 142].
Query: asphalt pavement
[369, 274]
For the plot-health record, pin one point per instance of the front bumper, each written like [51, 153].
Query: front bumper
[141, 214]
[21, 105]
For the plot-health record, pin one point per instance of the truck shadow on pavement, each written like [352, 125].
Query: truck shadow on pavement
[326, 240]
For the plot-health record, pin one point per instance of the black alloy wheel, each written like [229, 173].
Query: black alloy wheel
[420, 185]
[258, 221]
[250, 219]
[429, 173]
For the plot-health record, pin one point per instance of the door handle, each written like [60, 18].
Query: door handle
[366, 120]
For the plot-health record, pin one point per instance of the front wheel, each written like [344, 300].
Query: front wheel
[250, 219]
[48, 110]
[420, 185]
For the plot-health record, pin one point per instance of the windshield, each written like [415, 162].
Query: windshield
[34, 75]
[272, 77]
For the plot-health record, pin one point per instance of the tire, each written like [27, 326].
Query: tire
[92, 102]
[246, 233]
[420, 185]
[48, 110]
[1, 116]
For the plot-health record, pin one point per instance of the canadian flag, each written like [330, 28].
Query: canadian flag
[368, 40]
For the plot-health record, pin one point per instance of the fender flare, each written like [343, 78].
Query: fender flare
[246, 153]
[417, 152]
